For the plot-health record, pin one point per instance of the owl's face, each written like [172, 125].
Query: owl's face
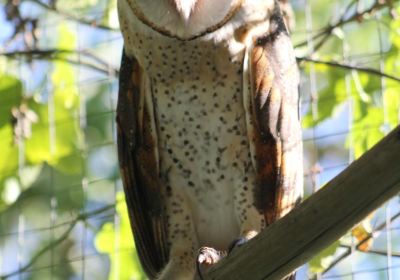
[183, 18]
[185, 8]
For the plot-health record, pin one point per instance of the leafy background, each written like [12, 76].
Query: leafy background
[62, 210]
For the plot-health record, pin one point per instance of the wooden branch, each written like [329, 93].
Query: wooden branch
[320, 220]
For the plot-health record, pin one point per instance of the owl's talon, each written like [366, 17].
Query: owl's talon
[207, 256]
[237, 243]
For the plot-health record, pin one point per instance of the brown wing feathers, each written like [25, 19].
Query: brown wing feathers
[275, 116]
[137, 164]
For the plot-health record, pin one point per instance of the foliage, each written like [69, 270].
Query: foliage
[45, 161]
[10, 96]
[125, 263]
[52, 139]
[322, 261]
[371, 102]
[57, 124]
[57, 137]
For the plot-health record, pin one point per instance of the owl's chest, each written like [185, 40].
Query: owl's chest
[196, 91]
[197, 95]
[202, 136]
[197, 99]
[195, 86]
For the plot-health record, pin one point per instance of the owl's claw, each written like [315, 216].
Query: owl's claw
[207, 256]
[242, 240]
[237, 243]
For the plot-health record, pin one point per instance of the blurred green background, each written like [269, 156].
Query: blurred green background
[62, 210]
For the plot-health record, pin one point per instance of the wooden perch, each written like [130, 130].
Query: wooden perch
[320, 220]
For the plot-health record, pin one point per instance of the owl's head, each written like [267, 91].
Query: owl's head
[185, 8]
[182, 18]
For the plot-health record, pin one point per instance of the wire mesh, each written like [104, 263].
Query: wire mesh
[51, 230]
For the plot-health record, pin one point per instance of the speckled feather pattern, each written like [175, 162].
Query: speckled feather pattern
[193, 92]
[204, 152]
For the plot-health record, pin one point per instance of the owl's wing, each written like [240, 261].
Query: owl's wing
[274, 130]
[138, 159]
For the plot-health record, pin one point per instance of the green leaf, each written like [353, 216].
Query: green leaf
[71, 164]
[373, 119]
[392, 64]
[395, 30]
[9, 157]
[10, 96]
[78, 6]
[57, 136]
[9, 152]
[111, 14]
[322, 261]
[330, 96]
[368, 116]
[119, 246]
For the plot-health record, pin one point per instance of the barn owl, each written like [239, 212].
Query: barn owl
[209, 136]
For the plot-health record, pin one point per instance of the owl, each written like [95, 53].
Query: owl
[209, 134]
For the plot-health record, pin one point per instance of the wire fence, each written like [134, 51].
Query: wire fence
[61, 211]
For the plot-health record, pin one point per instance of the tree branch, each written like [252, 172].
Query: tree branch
[92, 23]
[379, 252]
[60, 54]
[345, 254]
[357, 16]
[320, 220]
[351, 67]
[55, 242]
[349, 248]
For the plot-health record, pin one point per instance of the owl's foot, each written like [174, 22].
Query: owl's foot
[237, 243]
[241, 240]
[207, 256]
